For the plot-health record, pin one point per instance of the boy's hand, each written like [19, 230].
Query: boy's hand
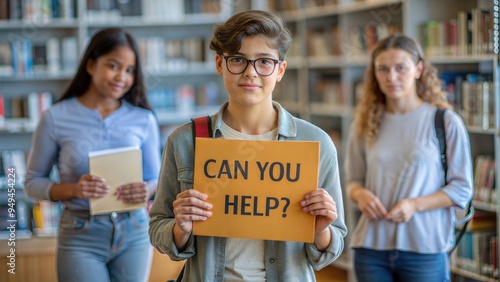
[189, 206]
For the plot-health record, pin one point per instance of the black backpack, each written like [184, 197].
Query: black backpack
[441, 135]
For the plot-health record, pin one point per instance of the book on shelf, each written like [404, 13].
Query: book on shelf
[2, 111]
[472, 95]
[157, 10]
[469, 33]
[22, 58]
[184, 97]
[39, 11]
[26, 110]
[161, 55]
[484, 179]
[208, 94]
[53, 55]
[14, 160]
[328, 90]
[5, 59]
[69, 57]
[150, 10]
[117, 166]
[477, 253]
[42, 56]
[362, 39]
[46, 217]
[14, 219]
[4, 8]
[482, 221]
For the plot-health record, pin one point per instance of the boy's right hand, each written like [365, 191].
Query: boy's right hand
[189, 206]
[91, 186]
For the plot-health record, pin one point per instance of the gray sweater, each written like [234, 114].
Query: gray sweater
[284, 261]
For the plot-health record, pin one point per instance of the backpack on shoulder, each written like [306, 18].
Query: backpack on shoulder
[463, 216]
[202, 127]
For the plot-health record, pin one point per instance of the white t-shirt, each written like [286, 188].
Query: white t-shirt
[245, 257]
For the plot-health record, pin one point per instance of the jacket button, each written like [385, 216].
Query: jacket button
[272, 260]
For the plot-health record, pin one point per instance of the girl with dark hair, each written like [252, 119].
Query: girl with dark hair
[394, 172]
[104, 107]
[250, 56]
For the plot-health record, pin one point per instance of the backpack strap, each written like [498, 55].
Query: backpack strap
[441, 135]
[202, 127]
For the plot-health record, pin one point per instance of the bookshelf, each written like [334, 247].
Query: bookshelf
[326, 68]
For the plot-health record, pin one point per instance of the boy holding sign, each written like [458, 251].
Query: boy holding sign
[251, 48]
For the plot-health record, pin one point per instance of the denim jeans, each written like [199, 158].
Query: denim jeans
[109, 247]
[388, 266]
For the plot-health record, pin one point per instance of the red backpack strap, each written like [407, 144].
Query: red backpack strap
[202, 127]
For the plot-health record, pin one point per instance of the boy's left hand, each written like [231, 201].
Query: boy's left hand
[132, 192]
[321, 204]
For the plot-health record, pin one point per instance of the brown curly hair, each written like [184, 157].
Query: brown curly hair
[229, 36]
[371, 105]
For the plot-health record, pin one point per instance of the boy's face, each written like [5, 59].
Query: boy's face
[249, 87]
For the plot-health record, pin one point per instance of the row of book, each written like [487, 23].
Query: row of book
[293, 5]
[109, 10]
[60, 55]
[33, 217]
[39, 218]
[26, 57]
[328, 90]
[185, 97]
[484, 179]
[37, 10]
[470, 33]
[41, 11]
[362, 39]
[473, 97]
[329, 41]
[160, 54]
[17, 213]
[24, 111]
[477, 252]
[12, 162]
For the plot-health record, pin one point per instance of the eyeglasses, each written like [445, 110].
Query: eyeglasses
[238, 64]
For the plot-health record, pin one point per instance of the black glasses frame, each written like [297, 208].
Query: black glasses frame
[250, 62]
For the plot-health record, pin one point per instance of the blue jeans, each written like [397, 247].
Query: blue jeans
[389, 266]
[109, 247]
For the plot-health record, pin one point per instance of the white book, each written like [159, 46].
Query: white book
[69, 53]
[53, 57]
[118, 166]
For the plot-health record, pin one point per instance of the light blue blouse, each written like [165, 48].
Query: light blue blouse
[68, 131]
[404, 162]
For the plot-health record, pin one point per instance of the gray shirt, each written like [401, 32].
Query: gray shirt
[404, 162]
[284, 261]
